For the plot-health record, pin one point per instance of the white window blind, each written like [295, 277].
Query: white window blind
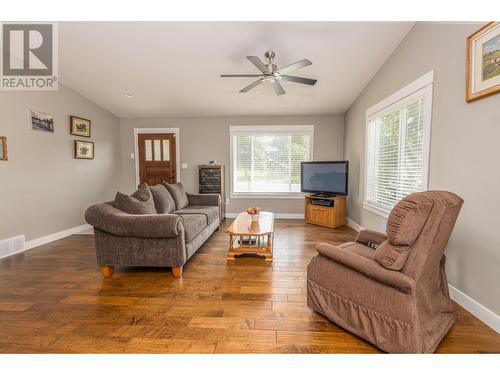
[268, 161]
[397, 150]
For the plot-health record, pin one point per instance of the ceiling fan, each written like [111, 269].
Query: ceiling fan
[272, 74]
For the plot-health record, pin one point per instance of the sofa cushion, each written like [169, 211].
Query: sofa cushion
[391, 256]
[211, 212]
[407, 219]
[193, 225]
[164, 203]
[178, 193]
[139, 203]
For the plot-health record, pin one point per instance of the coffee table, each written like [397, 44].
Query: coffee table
[251, 237]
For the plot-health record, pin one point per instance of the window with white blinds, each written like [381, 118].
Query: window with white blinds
[266, 159]
[397, 148]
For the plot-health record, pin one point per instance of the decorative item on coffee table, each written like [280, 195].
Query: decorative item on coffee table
[254, 213]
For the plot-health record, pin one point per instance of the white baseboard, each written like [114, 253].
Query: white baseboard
[232, 215]
[351, 223]
[481, 312]
[55, 236]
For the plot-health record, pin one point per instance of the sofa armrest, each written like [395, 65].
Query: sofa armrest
[367, 237]
[112, 220]
[368, 267]
[204, 199]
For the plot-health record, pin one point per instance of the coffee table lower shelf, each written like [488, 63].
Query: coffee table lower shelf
[266, 252]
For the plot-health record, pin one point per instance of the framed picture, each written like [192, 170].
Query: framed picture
[483, 62]
[3, 148]
[84, 150]
[80, 126]
[42, 121]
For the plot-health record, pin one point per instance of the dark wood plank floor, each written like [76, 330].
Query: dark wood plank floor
[54, 300]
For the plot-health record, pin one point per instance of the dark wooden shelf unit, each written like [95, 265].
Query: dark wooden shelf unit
[211, 181]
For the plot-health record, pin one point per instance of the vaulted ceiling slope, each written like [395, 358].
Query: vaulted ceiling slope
[173, 68]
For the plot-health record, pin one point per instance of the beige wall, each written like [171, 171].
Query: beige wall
[464, 152]
[43, 189]
[207, 138]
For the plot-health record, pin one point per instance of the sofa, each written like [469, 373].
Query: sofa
[159, 225]
[391, 288]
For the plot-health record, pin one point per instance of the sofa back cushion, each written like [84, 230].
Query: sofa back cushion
[139, 203]
[407, 219]
[178, 193]
[164, 203]
[392, 256]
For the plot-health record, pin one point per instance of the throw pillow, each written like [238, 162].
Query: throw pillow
[139, 203]
[178, 193]
[164, 203]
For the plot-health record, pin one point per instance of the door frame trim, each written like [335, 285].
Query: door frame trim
[138, 131]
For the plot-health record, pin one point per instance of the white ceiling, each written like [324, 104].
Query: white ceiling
[173, 68]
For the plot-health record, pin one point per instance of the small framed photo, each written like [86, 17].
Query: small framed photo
[3, 148]
[80, 126]
[42, 121]
[84, 150]
[483, 62]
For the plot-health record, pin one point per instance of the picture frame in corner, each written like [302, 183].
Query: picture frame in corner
[80, 126]
[483, 62]
[84, 150]
[3, 148]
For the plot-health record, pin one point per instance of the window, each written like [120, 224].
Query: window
[266, 159]
[397, 146]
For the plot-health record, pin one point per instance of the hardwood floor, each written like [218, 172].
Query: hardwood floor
[53, 299]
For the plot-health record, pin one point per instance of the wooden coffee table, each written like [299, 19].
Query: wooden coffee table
[256, 238]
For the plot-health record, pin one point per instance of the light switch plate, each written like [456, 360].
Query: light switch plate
[184, 166]
[132, 155]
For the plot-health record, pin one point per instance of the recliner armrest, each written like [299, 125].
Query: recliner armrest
[204, 199]
[112, 220]
[367, 267]
[366, 236]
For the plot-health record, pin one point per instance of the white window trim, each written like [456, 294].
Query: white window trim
[138, 131]
[423, 84]
[266, 129]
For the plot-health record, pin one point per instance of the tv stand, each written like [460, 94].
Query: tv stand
[327, 216]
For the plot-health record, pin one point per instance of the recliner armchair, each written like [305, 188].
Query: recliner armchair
[395, 296]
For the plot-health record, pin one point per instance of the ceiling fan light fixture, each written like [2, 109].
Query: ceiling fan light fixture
[128, 95]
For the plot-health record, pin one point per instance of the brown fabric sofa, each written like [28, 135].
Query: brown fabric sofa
[395, 296]
[163, 240]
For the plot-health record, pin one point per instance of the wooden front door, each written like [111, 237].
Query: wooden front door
[157, 158]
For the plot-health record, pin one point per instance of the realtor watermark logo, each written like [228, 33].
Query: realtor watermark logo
[29, 59]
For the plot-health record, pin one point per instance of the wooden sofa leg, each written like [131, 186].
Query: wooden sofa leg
[177, 272]
[107, 271]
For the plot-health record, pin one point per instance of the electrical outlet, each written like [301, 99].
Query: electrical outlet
[184, 166]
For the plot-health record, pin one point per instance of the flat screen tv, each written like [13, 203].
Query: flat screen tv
[324, 178]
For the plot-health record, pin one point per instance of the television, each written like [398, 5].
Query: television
[324, 178]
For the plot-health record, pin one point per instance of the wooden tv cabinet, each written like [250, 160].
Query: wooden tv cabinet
[331, 217]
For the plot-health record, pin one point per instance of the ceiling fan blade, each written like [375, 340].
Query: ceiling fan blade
[278, 89]
[251, 86]
[241, 75]
[258, 63]
[299, 64]
[306, 81]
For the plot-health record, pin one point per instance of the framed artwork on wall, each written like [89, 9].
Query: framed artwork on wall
[3, 148]
[42, 121]
[80, 126]
[483, 62]
[84, 150]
